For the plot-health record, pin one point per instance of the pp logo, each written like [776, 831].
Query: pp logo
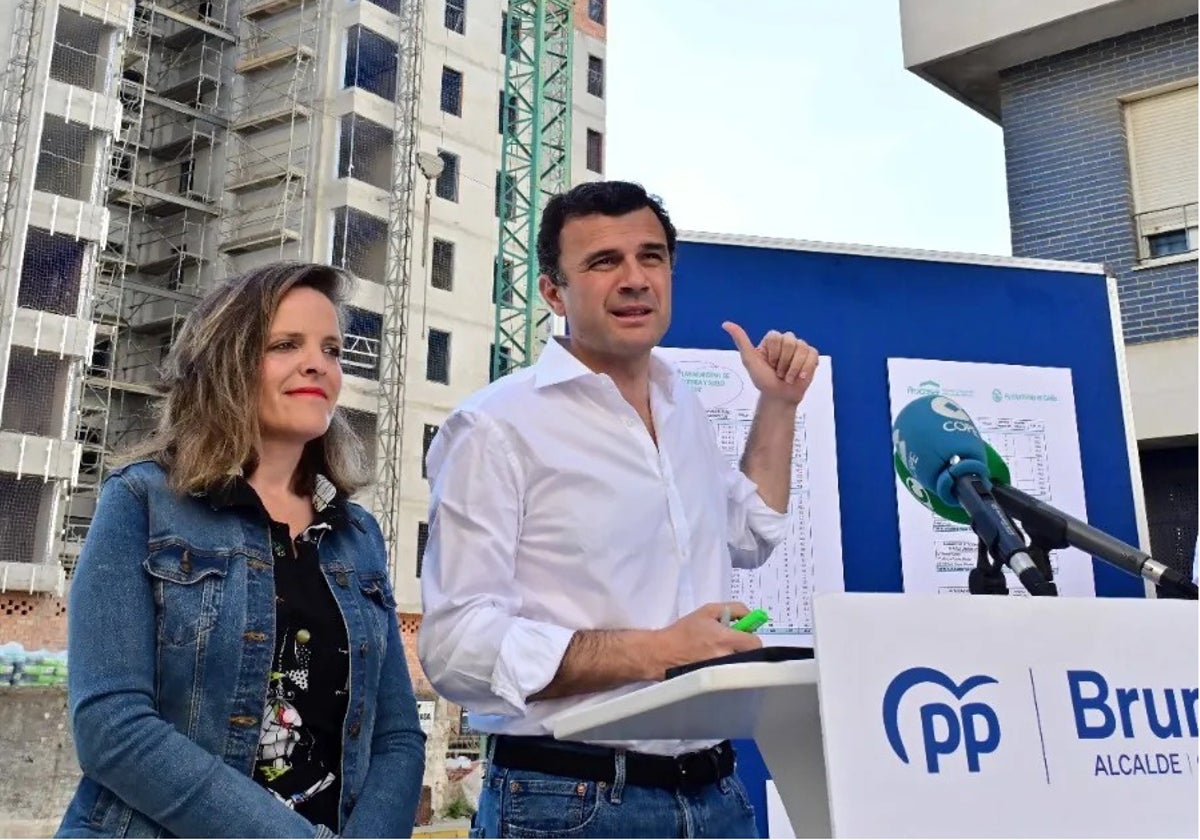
[944, 728]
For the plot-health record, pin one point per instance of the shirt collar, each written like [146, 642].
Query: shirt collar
[326, 502]
[557, 364]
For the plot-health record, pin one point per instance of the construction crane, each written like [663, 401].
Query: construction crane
[536, 164]
[393, 345]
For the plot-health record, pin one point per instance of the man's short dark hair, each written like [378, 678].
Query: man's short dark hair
[609, 198]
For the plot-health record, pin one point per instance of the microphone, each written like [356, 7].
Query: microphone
[938, 444]
[1051, 528]
[1061, 529]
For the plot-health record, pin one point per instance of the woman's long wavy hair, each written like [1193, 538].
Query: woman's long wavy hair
[208, 425]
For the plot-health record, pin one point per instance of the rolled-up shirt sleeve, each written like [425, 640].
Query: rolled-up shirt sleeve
[754, 527]
[474, 645]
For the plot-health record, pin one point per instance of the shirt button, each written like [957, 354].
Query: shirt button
[355, 729]
[363, 648]
[341, 579]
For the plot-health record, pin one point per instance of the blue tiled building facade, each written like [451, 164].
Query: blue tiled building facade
[1072, 196]
[1069, 179]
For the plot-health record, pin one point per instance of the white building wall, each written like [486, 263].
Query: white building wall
[40, 444]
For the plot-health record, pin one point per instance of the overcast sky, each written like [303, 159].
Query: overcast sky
[796, 118]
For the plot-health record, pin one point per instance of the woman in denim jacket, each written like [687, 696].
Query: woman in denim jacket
[236, 664]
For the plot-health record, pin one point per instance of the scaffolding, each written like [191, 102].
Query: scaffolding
[271, 138]
[164, 186]
[398, 281]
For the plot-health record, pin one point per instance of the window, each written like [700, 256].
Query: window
[422, 541]
[360, 344]
[510, 35]
[429, 435]
[595, 79]
[508, 109]
[187, 176]
[392, 6]
[502, 276]
[1162, 167]
[442, 274]
[437, 359]
[365, 151]
[456, 16]
[1170, 243]
[596, 11]
[359, 243]
[447, 182]
[102, 358]
[503, 356]
[371, 62]
[78, 44]
[506, 195]
[452, 81]
[595, 151]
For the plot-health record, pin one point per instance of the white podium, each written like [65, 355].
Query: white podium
[775, 703]
[957, 716]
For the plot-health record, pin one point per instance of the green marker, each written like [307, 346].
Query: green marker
[751, 621]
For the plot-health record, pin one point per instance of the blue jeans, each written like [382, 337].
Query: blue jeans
[521, 803]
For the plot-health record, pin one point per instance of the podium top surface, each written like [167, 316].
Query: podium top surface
[724, 701]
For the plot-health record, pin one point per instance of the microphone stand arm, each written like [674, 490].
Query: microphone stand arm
[1055, 529]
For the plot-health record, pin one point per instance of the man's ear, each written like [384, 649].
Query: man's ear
[552, 294]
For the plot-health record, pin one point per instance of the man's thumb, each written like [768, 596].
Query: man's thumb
[740, 339]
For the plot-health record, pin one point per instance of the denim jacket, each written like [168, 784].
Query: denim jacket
[172, 630]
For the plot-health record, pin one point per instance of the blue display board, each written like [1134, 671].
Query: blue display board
[860, 308]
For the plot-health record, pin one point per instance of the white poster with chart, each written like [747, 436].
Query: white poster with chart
[809, 560]
[1026, 414]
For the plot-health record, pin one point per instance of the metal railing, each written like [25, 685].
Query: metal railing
[1166, 232]
[360, 356]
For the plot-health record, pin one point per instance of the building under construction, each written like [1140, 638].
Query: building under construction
[149, 148]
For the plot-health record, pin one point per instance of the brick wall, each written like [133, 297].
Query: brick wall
[34, 621]
[1068, 170]
[410, 623]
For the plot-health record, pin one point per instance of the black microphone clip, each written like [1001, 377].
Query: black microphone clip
[1002, 540]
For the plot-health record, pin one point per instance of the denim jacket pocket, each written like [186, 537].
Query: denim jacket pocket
[378, 603]
[189, 584]
[375, 586]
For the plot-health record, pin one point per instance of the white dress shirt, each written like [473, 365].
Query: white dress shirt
[551, 511]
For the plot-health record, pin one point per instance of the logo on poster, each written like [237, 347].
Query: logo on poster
[931, 387]
[945, 727]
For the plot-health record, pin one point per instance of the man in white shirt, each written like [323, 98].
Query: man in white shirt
[583, 525]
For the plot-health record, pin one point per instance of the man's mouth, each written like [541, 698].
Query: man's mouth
[632, 313]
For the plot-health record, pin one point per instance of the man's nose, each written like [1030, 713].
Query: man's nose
[635, 279]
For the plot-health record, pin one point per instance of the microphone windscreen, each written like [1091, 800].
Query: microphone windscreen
[930, 433]
[997, 469]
